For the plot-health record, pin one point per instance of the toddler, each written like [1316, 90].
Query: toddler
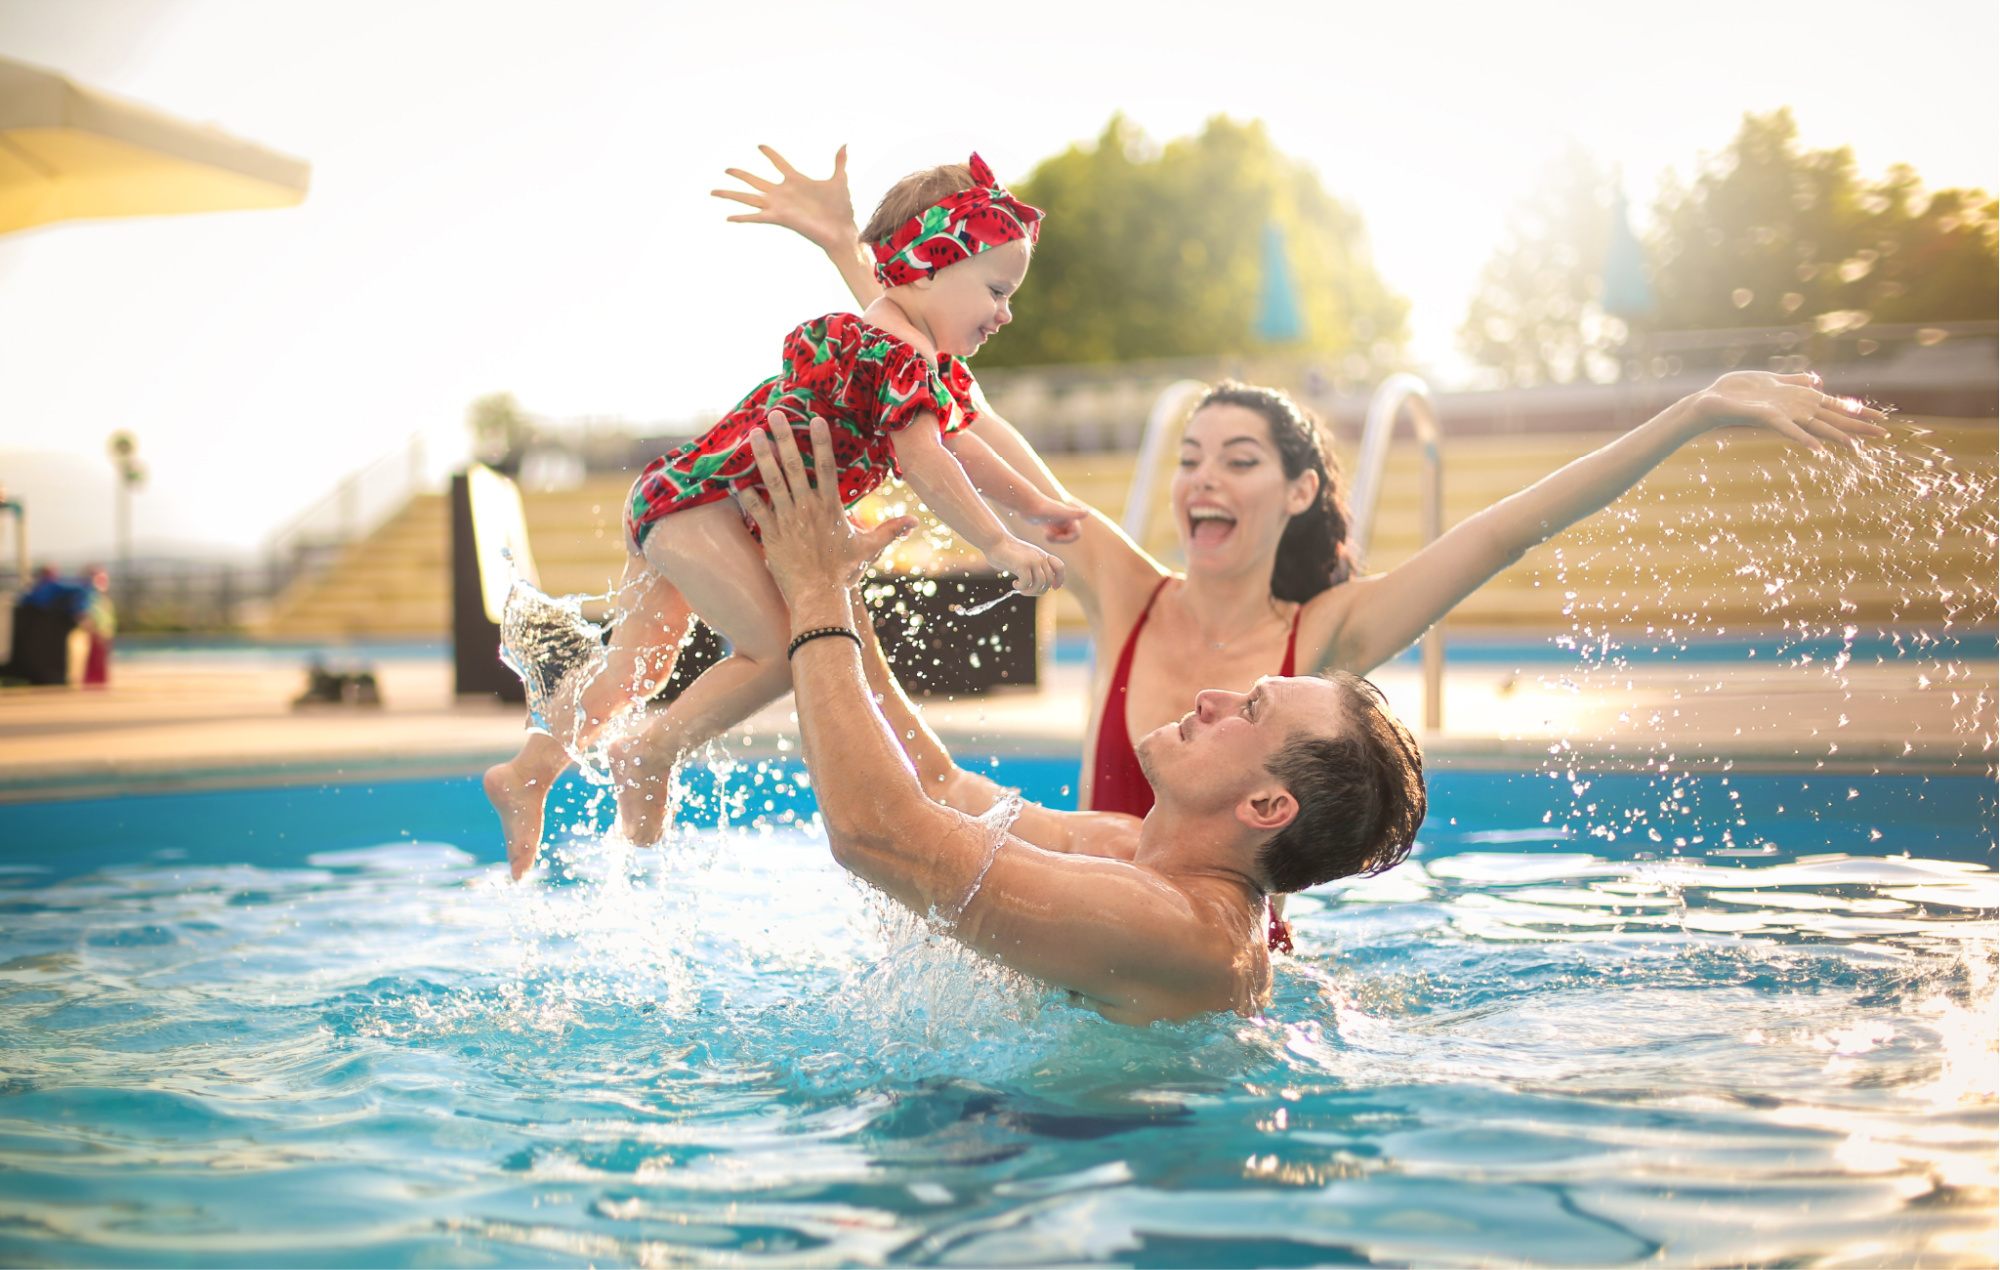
[951, 248]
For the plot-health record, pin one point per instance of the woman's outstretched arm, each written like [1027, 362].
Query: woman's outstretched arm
[1381, 614]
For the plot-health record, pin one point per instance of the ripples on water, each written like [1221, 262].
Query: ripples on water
[1508, 1049]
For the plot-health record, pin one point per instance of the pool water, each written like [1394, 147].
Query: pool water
[1693, 1019]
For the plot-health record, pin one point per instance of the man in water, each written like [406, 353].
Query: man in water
[1297, 782]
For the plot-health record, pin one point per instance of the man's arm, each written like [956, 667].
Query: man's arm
[1126, 938]
[1108, 834]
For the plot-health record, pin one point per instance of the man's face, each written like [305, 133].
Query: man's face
[1217, 754]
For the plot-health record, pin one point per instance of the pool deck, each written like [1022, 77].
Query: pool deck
[211, 720]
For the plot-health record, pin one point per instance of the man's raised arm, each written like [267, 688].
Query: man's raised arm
[879, 822]
[1112, 835]
[1124, 938]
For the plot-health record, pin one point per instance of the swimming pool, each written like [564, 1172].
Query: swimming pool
[1659, 1017]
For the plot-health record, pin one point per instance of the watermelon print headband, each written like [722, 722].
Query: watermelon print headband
[954, 229]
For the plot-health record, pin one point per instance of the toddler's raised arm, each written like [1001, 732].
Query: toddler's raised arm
[942, 483]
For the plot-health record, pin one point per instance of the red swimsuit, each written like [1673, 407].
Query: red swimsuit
[1117, 782]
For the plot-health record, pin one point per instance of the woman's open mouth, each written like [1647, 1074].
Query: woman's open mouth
[1209, 525]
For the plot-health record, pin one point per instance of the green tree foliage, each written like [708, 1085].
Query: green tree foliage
[500, 431]
[1156, 252]
[1769, 234]
[1765, 234]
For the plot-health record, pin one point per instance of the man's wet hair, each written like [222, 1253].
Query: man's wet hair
[1360, 794]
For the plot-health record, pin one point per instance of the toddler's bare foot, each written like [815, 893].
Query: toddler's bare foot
[642, 815]
[519, 800]
[643, 782]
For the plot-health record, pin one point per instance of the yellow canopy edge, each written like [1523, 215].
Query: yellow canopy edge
[69, 153]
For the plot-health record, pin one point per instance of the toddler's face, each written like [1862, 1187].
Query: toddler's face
[968, 302]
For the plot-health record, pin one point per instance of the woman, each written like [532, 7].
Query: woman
[1271, 585]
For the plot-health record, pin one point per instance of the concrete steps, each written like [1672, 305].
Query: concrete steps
[1819, 544]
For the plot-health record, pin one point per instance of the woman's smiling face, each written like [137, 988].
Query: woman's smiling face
[1231, 497]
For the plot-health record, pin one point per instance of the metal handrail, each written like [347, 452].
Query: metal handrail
[1173, 403]
[341, 516]
[1384, 408]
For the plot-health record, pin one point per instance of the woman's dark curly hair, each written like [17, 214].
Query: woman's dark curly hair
[1314, 552]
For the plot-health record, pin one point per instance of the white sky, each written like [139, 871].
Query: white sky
[513, 196]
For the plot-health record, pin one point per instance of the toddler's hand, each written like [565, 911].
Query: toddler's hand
[818, 210]
[1034, 570]
[1062, 522]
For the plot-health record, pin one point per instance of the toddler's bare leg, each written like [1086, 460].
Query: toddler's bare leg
[708, 554]
[653, 617]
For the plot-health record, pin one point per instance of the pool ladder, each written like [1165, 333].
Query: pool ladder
[1399, 394]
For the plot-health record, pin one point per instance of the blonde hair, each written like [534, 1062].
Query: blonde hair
[913, 194]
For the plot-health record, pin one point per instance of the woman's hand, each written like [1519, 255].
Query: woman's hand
[811, 547]
[1790, 405]
[1060, 521]
[819, 210]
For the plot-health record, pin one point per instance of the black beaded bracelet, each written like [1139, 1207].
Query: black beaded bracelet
[818, 632]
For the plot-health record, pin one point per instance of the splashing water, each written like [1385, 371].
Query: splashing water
[558, 653]
[1514, 1047]
[1865, 586]
[984, 606]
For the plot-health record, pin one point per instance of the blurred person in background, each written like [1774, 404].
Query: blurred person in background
[99, 623]
[46, 616]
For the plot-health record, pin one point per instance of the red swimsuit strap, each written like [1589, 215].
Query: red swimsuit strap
[1291, 646]
[1117, 782]
[1123, 674]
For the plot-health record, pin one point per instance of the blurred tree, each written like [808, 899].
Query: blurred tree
[1159, 252]
[500, 432]
[1769, 235]
[1766, 234]
[1537, 313]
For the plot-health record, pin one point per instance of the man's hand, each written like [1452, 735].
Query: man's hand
[812, 548]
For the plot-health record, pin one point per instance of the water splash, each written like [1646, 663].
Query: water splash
[1863, 582]
[557, 652]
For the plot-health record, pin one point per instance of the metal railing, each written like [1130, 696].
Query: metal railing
[1169, 408]
[1397, 395]
[364, 500]
[1389, 403]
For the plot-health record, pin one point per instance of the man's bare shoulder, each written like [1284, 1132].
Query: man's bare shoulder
[1136, 942]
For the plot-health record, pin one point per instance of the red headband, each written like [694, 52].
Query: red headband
[955, 228]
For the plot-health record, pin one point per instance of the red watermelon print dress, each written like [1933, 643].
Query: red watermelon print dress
[865, 382]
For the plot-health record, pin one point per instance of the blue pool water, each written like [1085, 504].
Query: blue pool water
[1714, 1019]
